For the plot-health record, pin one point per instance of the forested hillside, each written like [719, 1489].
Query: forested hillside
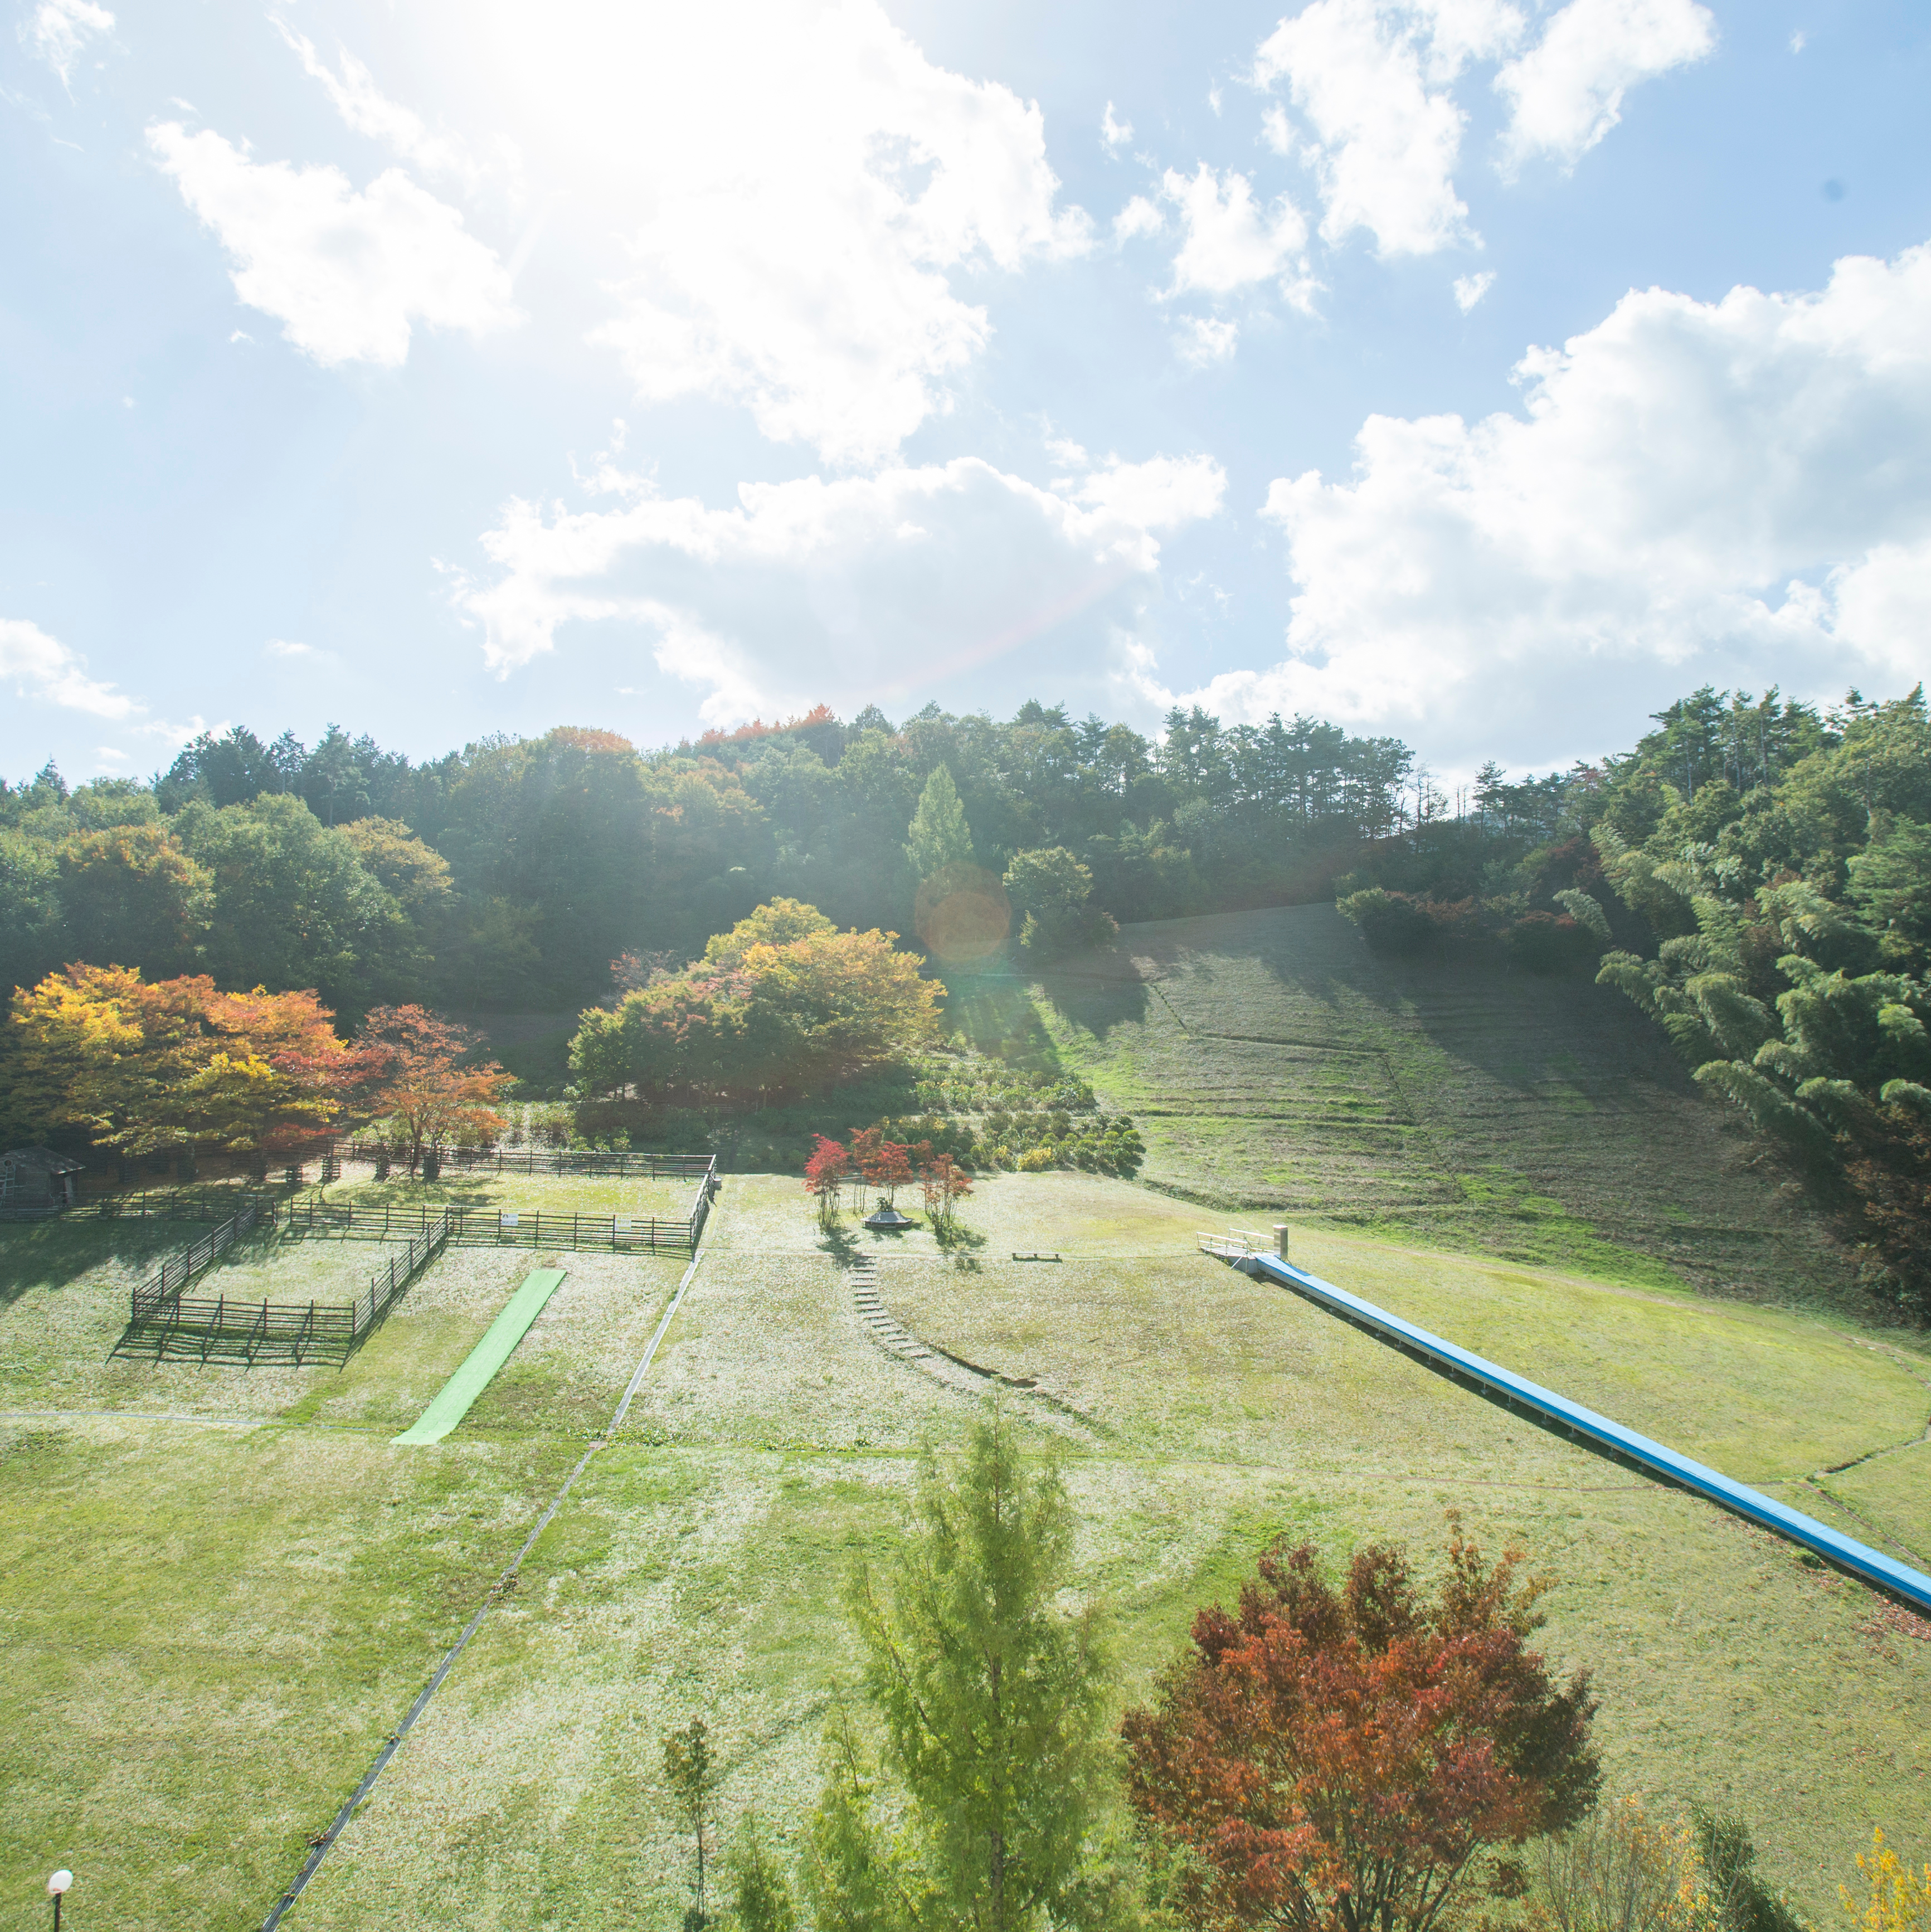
[512, 873]
[1755, 873]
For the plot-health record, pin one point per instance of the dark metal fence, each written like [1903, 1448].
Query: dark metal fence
[226, 1327]
[175, 1273]
[543, 1160]
[491, 1228]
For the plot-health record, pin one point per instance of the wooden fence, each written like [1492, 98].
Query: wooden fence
[175, 1273]
[472, 1227]
[544, 1160]
[226, 1327]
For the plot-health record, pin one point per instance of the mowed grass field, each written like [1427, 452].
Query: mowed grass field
[1272, 1063]
[220, 1588]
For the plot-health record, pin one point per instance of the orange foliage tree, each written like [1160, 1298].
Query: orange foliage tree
[944, 1182]
[1331, 1760]
[178, 1063]
[419, 1079]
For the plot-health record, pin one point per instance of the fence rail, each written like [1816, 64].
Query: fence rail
[226, 1327]
[165, 1283]
[544, 1160]
[493, 1228]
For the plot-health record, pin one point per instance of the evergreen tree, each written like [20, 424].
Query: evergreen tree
[938, 836]
[993, 1704]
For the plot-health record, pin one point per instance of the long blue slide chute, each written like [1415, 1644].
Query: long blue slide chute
[1599, 1433]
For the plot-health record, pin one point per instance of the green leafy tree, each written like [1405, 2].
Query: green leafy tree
[1051, 890]
[31, 932]
[293, 904]
[132, 897]
[761, 1896]
[938, 836]
[992, 1700]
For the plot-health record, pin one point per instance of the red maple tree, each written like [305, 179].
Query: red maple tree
[825, 1173]
[945, 1183]
[1335, 1761]
[421, 1082]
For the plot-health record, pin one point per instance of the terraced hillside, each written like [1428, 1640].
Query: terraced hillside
[1276, 1065]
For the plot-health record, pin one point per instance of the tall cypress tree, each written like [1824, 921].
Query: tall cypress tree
[993, 1702]
[938, 836]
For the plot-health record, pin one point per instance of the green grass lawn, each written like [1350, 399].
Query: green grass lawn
[219, 1619]
[667, 1199]
[1273, 1063]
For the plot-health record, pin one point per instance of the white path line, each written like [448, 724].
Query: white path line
[325, 1844]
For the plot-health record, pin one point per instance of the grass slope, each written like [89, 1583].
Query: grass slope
[219, 1621]
[1273, 1063]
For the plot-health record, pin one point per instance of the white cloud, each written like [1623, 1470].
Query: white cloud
[367, 110]
[1162, 493]
[1469, 289]
[1203, 340]
[346, 274]
[1139, 217]
[1232, 241]
[1798, 41]
[1385, 144]
[1566, 93]
[39, 666]
[287, 647]
[1739, 490]
[810, 184]
[57, 31]
[1114, 133]
[871, 585]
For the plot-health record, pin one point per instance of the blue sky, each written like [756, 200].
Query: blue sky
[1483, 372]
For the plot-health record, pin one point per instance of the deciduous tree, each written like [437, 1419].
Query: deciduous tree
[1327, 1760]
[691, 1770]
[420, 1080]
[824, 1175]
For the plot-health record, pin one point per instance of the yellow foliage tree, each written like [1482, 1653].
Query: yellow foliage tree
[1900, 1898]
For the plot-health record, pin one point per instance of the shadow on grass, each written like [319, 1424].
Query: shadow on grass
[54, 1254]
[839, 1243]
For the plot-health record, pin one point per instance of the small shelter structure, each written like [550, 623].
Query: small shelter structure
[34, 1182]
[888, 1219]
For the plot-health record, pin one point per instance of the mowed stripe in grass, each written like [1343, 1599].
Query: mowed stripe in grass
[1274, 1064]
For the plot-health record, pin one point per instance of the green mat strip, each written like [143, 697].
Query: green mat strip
[453, 1401]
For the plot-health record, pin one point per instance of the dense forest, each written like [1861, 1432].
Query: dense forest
[512, 874]
[1755, 874]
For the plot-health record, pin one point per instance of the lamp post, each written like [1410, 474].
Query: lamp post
[57, 1886]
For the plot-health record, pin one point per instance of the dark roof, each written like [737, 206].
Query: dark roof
[42, 1157]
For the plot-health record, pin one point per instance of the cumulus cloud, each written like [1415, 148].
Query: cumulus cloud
[1469, 289]
[810, 184]
[39, 666]
[1566, 93]
[57, 30]
[1385, 141]
[1139, 217]
[1232, 241]
[1737, 489]
[876, 584]
[346, 274]
[1115, 134]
